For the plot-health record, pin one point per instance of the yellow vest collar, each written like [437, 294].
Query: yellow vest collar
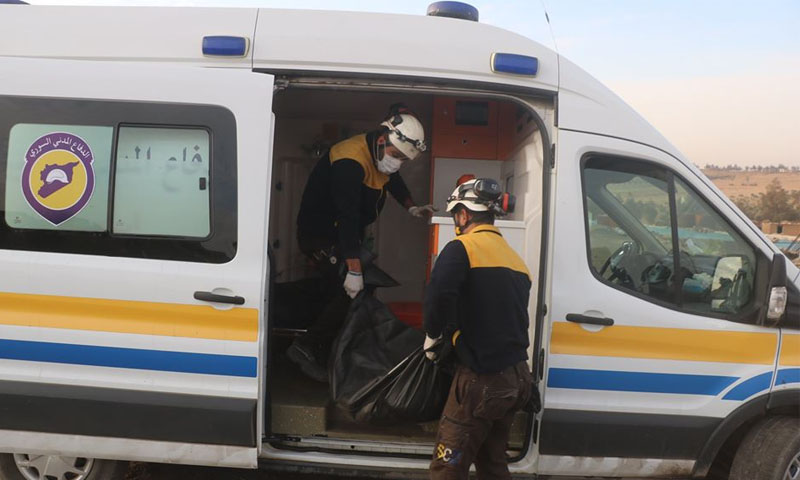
[486, 228]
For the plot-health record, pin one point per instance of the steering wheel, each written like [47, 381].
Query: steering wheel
[627, 249]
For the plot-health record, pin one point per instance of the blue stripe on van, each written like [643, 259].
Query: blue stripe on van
[750, 387]
[788, 375]
[159, 360]
[638, 381]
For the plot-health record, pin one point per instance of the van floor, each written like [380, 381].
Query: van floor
[302, 407]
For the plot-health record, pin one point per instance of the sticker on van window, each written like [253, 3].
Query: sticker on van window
[161, 182]
[57, 177]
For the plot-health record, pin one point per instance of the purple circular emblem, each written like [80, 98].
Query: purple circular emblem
[58, 179]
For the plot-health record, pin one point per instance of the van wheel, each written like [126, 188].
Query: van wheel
[769, 451]
[20, 466]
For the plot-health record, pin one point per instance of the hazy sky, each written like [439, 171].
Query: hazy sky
[719, 78]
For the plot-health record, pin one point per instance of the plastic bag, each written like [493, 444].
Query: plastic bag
[379, 373]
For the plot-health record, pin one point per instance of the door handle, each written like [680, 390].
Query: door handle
[217, 298]
[578, 318]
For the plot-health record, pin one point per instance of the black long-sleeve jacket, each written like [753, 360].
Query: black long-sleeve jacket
[345, 193]
[481, 286]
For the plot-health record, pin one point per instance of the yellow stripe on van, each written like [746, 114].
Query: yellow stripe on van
[790, 351]
[123, 316]
[665, 343]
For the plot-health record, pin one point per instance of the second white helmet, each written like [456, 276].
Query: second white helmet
[466, 195]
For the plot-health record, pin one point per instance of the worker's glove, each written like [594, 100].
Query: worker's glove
[353, 283]
[423, 211]
[429, 344]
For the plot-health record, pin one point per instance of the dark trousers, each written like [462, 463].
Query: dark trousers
[324, 329]
[476, 422]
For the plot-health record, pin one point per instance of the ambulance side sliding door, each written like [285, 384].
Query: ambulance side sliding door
[132, 260]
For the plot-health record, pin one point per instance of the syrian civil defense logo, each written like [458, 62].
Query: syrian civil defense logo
[58, 179]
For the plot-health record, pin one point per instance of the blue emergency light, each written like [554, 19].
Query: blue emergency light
[224, 46]
[515, 64]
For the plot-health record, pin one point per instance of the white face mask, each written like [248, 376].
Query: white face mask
[388, 164]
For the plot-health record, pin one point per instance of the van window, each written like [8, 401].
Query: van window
[57, 177]
[606, 235]
[161, 182]
[120, 179]
[630, 237]
[651, 234]
[722, 264]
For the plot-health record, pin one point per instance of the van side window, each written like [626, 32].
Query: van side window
[649, 233]
[606, 234]
[629, 227]
[161, 182]
[57, 177]
[721, 264]
[118, 179]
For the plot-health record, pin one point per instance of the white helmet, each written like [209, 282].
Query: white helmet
[466, 195]
[406, 134]
[481, 195]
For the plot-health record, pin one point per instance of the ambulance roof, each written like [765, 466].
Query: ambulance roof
[327, 42]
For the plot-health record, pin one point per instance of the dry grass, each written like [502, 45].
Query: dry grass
[734, 183]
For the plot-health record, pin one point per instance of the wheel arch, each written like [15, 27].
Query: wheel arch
[724, 441]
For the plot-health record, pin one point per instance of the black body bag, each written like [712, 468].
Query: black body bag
[378, 371]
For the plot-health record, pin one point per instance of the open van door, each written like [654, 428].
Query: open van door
[132, 260]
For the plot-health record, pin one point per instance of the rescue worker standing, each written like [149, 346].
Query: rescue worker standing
[345, 193]
[478, 297]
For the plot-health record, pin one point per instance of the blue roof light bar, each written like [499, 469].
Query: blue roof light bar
[224, 46]
[515, 64]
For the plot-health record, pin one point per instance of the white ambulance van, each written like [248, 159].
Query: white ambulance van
[151, 166]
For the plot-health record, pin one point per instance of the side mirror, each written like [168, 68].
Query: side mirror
[776, 305]
[731, 285]
[778, 295]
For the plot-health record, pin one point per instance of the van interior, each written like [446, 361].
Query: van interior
[482, 136]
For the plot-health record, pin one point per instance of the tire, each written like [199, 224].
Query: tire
[769, 451]
[93, 469]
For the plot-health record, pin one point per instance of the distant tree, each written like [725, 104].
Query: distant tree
[750, 206]
[794, 199]
[776, 204]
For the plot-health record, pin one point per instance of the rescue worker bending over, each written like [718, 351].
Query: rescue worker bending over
[478, 297]
[344, 194]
